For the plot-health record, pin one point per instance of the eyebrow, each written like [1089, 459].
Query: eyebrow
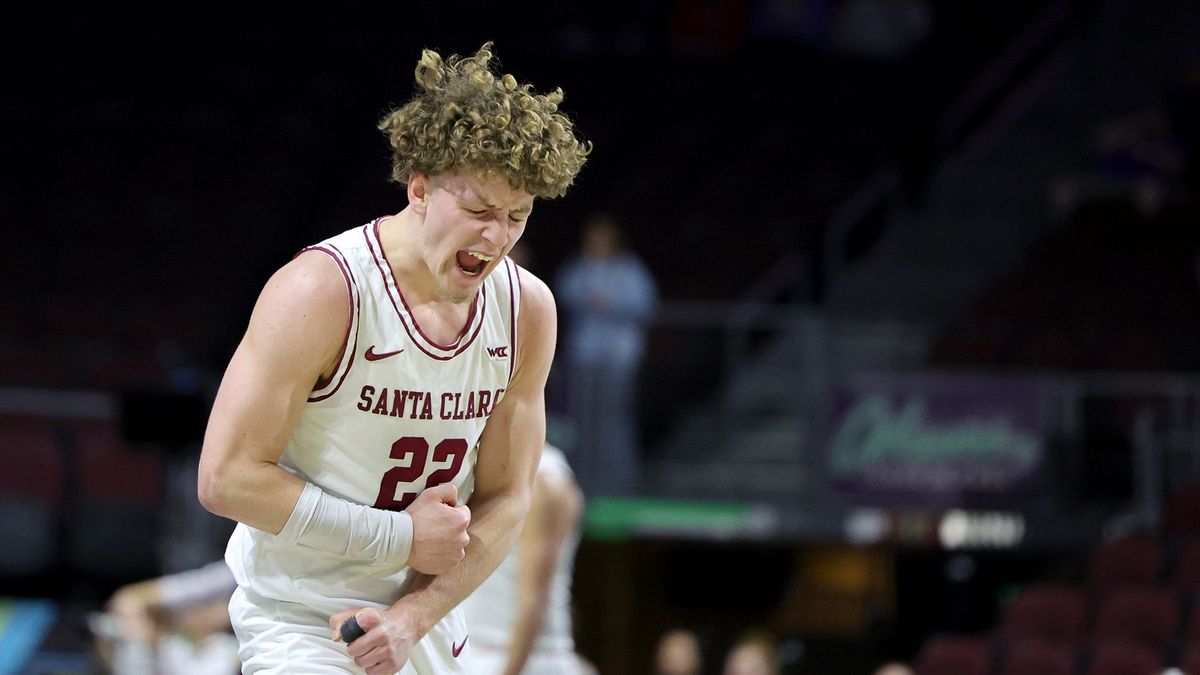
[471, 195]
[492, 207]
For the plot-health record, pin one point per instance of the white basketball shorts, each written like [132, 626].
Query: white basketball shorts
[283, 638]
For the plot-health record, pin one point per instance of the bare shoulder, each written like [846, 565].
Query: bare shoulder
[303, 309]
[311, 276]
[537, 302]
[310, 284]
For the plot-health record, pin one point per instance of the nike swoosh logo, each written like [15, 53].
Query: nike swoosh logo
[457, 649]
[372, 356]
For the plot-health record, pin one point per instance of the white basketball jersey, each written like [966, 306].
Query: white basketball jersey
[400, 414]
[491, 609]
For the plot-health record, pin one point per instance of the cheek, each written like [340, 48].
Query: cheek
[447, 230]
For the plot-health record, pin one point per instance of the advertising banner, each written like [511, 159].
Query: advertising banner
[936, 437]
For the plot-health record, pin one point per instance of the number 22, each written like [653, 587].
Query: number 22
[416, 450]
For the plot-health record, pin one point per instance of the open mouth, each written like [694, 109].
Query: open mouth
[472, 263]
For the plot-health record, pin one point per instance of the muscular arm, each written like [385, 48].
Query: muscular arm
[295, 334]
[553, 518]
[510, 448]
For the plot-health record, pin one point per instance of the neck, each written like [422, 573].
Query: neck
[399, 235]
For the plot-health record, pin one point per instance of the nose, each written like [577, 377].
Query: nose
[495, 230]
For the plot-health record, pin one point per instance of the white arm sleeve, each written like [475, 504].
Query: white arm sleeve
[325, 522]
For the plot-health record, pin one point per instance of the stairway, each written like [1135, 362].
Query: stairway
[986, 205]
[760, 439]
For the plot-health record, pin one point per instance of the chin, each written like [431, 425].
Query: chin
[459, 295]
[462, 289]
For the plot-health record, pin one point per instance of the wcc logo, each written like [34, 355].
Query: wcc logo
[498, 353]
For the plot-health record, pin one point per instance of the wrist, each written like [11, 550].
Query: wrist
[329, 523]
[411, 615]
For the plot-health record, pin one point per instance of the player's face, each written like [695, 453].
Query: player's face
[470, 225]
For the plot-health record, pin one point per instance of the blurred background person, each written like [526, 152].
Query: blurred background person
[678, 653]
[176, 624]
[520, 617]
[1139, 159]
[608, 297]
[894, 668]
[754, 654]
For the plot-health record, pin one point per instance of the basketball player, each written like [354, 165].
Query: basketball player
[389, 377]
[520, 618]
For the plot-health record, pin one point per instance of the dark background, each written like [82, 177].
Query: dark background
[160, 163]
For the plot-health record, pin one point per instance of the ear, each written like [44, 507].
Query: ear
[418, 191]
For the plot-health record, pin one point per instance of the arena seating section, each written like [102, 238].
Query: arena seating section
[1111, 290]
[1134, 611]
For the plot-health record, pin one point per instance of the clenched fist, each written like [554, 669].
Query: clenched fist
[439, 530]
[385, 646]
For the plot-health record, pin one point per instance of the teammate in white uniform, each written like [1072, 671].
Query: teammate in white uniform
[390, 376]
[520, 618]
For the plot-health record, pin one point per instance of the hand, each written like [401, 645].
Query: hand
[384, 648]
[439, 530]
[133, 616]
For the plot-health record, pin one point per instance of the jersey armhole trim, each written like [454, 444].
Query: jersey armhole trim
[323, 388]
[514, 310]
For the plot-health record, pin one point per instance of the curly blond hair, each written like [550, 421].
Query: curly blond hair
[465, 116]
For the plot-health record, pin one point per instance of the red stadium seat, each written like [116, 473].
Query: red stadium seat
[1035, 657]
[32, 364]
[1146, 615]
[1191, 629]
[1190, 663]
[1124, 658]
[1047, 612]
[955, 656]
[31, 461]
[31, 491]
[1183, 511]
[1186, 575]
[1134, 561]
[120, 499]
[110, 471]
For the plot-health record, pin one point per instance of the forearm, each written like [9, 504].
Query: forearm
[142, 594]
[530, 614]
[195, 586]
[268, 498]
[495, 524]
[259, 494]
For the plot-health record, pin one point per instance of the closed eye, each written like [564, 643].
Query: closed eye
[515, 218]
